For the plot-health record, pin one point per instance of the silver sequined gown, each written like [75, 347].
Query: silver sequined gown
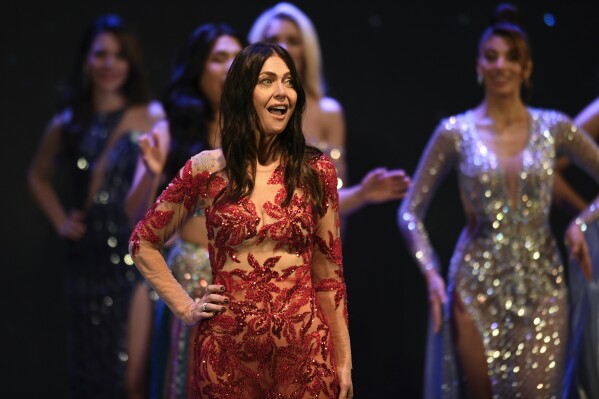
[506, 267]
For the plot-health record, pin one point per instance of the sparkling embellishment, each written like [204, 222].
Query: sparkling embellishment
[506, 269]
[273, 260]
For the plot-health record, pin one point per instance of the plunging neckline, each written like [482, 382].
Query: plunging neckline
[499, 163]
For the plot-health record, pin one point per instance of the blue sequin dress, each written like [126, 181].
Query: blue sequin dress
[583, 370]
[100, 273]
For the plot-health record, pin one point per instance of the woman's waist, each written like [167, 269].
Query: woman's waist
[270, 276]
[271, 303]
[503, 222]
[507, 228]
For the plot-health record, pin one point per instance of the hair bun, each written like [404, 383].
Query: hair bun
[506, 13]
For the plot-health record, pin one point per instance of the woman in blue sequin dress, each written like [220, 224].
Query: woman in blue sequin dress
[583, 371]
[97, 137]
[500, 329]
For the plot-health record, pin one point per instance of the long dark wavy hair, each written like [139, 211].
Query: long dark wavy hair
[187, 108]
[240, 123]
[78, 97]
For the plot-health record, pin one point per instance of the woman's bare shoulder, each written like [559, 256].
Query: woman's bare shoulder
[58, 121]
[145, 114]
[330, 105]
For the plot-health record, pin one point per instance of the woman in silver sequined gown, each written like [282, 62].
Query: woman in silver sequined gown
[501, 328]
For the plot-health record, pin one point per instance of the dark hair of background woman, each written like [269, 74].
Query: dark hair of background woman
[78, 97]
[188, 111]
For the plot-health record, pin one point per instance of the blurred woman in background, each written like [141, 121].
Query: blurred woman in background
[97, 137]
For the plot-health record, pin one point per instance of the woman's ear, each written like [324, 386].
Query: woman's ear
[479, 74]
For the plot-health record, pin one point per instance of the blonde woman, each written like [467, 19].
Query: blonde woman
[324, 120]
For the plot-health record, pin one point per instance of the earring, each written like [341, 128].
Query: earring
[479, 78]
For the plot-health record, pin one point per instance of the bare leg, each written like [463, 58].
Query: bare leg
[138, 342]
[471, 351]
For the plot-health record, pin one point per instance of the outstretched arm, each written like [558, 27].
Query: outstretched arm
[379, 185]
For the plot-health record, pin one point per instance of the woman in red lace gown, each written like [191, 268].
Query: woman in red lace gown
[274, 323]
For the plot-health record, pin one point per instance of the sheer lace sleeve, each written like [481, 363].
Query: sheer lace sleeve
[437, 159]
[187, 192]
[581, 149]
[327, 269]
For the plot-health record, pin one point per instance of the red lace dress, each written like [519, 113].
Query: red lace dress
[283, 274]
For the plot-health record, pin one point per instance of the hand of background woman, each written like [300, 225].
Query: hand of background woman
[579, 249]
[436, 297]
[154, 159]
[73, 227]
[381, 185]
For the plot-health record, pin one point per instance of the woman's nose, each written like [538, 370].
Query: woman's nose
[280, 90]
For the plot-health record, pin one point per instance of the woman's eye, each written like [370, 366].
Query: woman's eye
[513, 56]
[218, 58]
[491, 57]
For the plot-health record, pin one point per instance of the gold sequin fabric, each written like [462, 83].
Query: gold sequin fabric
[506, 267]
[172, 356]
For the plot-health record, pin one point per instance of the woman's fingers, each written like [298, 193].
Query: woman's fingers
[213, 302]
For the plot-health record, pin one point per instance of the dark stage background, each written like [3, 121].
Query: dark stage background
[397, 67]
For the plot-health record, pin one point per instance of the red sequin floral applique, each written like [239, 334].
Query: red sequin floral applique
[185, 188]
[229, 225]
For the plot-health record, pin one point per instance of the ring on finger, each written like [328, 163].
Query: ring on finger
[204, 306]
